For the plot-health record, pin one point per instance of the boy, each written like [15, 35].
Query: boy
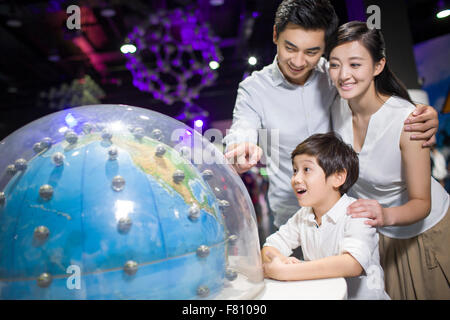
[334, 244]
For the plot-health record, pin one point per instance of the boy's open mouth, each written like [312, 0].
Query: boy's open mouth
[300, 191]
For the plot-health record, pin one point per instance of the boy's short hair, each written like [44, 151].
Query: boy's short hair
[333, 155]
[308, 14]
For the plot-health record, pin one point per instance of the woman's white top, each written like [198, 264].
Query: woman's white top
[380, 164]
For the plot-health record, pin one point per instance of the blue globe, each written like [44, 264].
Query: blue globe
[97, 204]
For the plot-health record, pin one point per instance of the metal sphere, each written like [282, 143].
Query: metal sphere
[11, 169]
[41, 233]
[58, 159]
[223, 204]
[202, 251]
[38, 147]
[106, 135]
[194, 213]
[207, 174]
[230, 274]
[203, 291]
[157, 134]
[46, 192]
[2, 198]
[124, 224]
[44, 280]
[113, 153]
[118, 183]
[138, 133]
[130, 267]
[71, 137]
[46, 143]
[160, 150]
[20, 164]
[178, 176]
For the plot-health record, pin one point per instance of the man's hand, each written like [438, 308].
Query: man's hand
[244, 156]
[424, 121]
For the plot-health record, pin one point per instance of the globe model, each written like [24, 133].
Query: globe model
[105, 202]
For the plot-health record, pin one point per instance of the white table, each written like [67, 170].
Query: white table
[323, 289]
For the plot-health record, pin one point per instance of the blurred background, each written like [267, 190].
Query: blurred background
[185, 59]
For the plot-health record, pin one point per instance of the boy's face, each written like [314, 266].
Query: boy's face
[309, 183]
[298, 51]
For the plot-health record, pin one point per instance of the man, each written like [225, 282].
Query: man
[290, 100]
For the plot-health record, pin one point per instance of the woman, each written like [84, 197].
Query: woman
[394, 170]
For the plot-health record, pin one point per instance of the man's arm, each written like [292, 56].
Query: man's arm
[424, 123]
[242, 138]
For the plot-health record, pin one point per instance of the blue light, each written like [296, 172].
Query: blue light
[70, 120]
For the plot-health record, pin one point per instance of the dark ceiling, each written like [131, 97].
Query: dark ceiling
[243, 27]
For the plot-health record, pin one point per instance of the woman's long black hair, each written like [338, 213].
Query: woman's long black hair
[386, 82]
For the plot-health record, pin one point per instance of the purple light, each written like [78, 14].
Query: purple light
[198, 123]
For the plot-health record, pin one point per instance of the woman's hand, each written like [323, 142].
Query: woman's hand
[424, 123]
[371, 209]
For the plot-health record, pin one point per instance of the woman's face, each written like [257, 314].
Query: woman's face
[352, 69]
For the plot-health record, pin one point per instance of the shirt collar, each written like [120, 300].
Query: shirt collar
[338, 209]
[334, 213]
[278, 77]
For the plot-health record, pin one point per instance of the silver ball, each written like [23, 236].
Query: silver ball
[138, 133]
[157, 134]
[202, 251]
[124, 225]
[38, 147]
[46, 192]
[11, 169]
[2, 198]
[58, 159]
[203, 291]
[185, 152]
[41, 233]
[207, 174]
[71, 137]
[46, 143]
[106, 135]
[223, 204]
[194, 213]
[87, 127]
[178, 176]
[160, 150]
[44, 280]
[230, 274]
[113, 153]
[20, 164]
[118, 183]
[130, 267]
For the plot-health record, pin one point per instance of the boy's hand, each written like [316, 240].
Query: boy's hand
[370, 209]
[274, 269]
[424, 121]
[244, 156]
[291, 260]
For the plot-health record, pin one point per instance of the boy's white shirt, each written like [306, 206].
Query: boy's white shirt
[337, 234]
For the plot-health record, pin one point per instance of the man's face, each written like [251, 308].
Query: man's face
[298, 51]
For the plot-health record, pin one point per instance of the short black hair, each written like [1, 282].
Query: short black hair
[333, 155]
[308, 14]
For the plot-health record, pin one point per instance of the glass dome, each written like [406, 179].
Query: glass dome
[120, 202]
